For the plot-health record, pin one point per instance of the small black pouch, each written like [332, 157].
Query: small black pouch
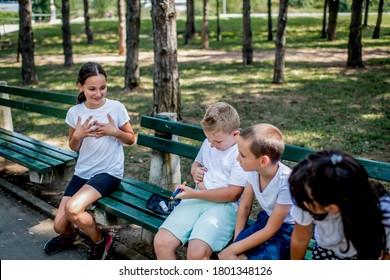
[155, 199]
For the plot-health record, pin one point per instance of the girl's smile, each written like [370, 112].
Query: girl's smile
[95, 90]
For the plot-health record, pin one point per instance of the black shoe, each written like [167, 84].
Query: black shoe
[61, 242]
[99, 250]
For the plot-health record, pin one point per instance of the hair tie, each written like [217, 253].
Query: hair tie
[336, 159]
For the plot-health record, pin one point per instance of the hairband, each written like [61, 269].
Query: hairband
[336, 159]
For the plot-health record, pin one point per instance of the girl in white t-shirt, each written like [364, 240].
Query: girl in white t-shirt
[351, 214]
[98, 128]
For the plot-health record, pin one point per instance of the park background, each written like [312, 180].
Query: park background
[323, 103]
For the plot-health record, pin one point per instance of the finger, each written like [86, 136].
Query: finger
[109, 118]
[87, 120]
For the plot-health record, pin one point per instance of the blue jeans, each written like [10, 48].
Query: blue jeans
[276, 248]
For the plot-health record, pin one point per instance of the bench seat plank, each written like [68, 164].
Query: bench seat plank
[58, 158]
[38, 143]
[129, 214]
[30, 163]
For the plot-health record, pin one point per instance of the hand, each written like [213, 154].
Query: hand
[107, 129]
[87, 129]
[201, 186]
[227, 254]
[198, 174]
[186, 192]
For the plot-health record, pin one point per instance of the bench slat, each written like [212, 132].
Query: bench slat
[31, 154]
[135, 202]
[129, 214]
[30, 163]
[167, 146]
[36, 108]
[14, 144]
[38, 143]
[176, 128]
[39, 94]
[146, 186]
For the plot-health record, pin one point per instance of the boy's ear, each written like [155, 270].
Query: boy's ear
[265, 160]
[236, 133]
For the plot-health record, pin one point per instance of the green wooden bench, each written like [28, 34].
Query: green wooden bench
[46, 162]
[129, 202]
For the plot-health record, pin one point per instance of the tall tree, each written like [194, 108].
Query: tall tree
[205, 25]
[280, 43]
[121, 27]
[66, 34]
[355, 35]
[219, 35]
[26, 39]
[166, 87]
[333, 13]
[366, 8]
[190, 23]
[270, 31]
[377, 29]
[247, 50]
[323, 32]
[133, 23]
[88, 30]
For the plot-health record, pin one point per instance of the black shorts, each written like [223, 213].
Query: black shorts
[103, 183]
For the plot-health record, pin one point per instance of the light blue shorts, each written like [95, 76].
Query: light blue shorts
[211, 222]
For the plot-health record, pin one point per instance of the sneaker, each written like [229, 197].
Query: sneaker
[61, 242]
[99, 250]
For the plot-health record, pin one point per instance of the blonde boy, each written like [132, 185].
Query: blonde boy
[206, 216]
[260, 149]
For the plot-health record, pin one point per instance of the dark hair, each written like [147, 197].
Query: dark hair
[335, 177]
[89, 69]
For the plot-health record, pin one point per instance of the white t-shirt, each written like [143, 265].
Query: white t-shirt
[223, 168]
[99, 155]
[277, 191]
[329, 233]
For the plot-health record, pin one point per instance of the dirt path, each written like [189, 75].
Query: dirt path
[327, 57]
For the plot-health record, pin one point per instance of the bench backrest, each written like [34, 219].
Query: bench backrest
[376, 170]
[37, 101]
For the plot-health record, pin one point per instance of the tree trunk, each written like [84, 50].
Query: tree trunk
[66, 34]
[280, 43]
[26, 39]
[121, 27]
[270, 31]
[205, 25]
[323, 32]
[355, 35]
[190, 23]
[247, 50]
[377, 29]
[333, 12]
[132, 78]
[219, 36]
[166, 87]
[366, 8]
[88, 30]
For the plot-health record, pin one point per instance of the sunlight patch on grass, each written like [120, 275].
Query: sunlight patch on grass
[372, 116]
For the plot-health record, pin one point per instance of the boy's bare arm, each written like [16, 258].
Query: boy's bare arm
[225, 194]
[244, 209]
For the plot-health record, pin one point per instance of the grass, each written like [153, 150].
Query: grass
[322, 104]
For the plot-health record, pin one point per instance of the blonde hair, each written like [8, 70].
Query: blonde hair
[266, 139]
[220, 116]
